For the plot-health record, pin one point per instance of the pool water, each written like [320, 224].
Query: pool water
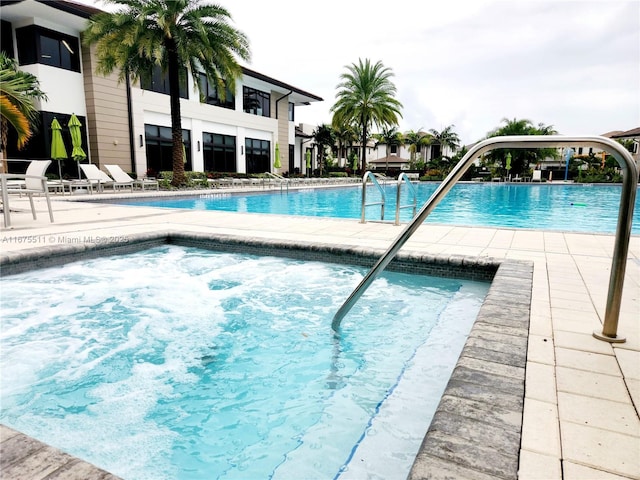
[572, 208]
[207, 365]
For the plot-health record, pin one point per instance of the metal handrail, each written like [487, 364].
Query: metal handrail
[403, 177]
[623, 229]
[280, 178]
[372, 176]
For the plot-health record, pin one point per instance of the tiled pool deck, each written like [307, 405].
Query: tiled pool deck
[581, 396]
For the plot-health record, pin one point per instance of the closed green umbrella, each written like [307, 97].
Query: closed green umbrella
[308, 158]
[276, 163]
[508, 165]
[77, 153]
[58, 152]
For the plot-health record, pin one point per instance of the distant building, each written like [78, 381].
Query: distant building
[129, 124]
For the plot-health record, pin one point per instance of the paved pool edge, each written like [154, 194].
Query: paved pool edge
[476, 429]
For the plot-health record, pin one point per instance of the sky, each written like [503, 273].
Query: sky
[571, 64]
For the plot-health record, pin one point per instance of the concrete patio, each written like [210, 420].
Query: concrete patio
[582, 395]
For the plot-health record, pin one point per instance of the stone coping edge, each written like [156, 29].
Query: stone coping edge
[476, 429]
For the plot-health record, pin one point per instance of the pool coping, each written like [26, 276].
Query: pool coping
[476, 429]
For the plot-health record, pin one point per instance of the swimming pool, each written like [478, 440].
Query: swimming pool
[111, 368]
[572, 208]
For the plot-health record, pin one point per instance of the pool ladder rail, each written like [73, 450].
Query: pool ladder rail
[278, 178]
[374, 177]
[623, 229]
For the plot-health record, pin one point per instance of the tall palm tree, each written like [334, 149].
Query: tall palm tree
[521, 158]
[174, 35]
[366, 95]
[18, 92]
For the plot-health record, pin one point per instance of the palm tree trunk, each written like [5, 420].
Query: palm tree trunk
[176, 116]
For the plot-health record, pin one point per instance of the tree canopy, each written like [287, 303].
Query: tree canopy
[177, 36]
[366, 96]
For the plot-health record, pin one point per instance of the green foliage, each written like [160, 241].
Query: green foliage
[520, 158]
[366, 97]
[174, 35]
[338, 174]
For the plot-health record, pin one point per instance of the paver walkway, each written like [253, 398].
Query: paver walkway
[582, 395]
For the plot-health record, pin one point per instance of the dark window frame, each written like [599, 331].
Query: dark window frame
[219, 152]
[257, 155]
[210, 95]
[159, 82]
[39, 45]
[159, 138]
[292, 112]
[254, 100]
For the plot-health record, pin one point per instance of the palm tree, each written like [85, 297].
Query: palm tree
[446, 138]
[366, 96]
[345, 134]
[18, 91]
[390, 136]
[521, 158]
[414, 140]
[323, 135]
[175, 35]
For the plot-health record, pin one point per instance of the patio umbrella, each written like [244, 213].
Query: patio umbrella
[77, 153]
[308, 159]
[508, 165]
[276, 163]
[58, 152]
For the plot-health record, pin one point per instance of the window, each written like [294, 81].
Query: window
[210, 94]
[256, 102]
[159, 148]
[159, 82]
[219, 152]
[6, 38]
[394, 149]
[258, 153]
[48, 47]
[291, 112]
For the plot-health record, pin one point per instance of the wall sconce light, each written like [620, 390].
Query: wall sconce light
[198, 145]
[141, 142]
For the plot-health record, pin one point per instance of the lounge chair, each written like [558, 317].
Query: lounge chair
[101, 179]
[120, 175]
[35, 182]
[537, 176]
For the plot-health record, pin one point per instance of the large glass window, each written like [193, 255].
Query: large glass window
[48, 47]
[159, 149]
[258, 154]
[159, 82]
[256, 102]
[210, 94]
[219, 152]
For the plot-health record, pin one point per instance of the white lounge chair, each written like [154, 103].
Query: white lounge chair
[537, 176]
[35, 182]
[101, 179]
[120, 175]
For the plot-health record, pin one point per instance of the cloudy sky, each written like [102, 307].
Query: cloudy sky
[572, 64]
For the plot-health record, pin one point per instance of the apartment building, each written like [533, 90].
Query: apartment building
[129, 124]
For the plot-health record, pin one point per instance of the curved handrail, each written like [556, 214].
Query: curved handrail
[280, 178]
[368, 174]
[403, 177]
[623, 229]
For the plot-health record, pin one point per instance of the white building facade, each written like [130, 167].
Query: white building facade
[129, 124]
